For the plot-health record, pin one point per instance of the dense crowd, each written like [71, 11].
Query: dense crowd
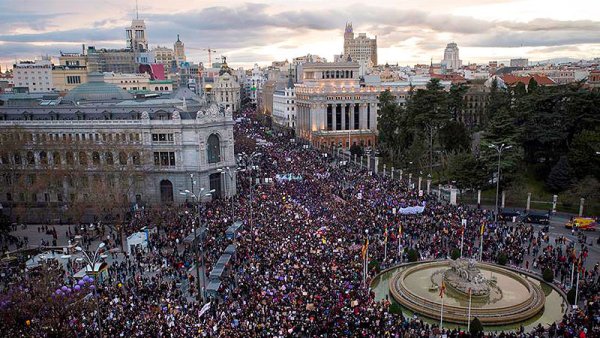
[298, 266]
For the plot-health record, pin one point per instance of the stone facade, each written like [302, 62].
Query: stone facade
[153, 149]
[333, 109]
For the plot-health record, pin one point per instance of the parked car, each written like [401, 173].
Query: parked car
[582, 223]
[509, 215]
[537, 218]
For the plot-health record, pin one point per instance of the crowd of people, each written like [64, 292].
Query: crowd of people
[298, 268]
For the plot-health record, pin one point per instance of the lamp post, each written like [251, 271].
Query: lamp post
[249, 162]
[92, 259]
[195, 226]
[228, 171]
[499, 149]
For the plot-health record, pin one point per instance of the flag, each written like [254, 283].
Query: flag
[204, 309]
[400, 230]
[482, 228]
[385, 238]
[364, 249]
[442, 289]
[580, 264]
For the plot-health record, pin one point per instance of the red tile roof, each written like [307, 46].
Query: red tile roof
[512, 80]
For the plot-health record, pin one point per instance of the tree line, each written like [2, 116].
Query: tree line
[553, 131]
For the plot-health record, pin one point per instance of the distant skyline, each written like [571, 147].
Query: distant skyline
[408, 32]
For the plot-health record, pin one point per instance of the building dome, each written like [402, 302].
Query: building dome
[97, 90]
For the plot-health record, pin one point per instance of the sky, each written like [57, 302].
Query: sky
[408, 31]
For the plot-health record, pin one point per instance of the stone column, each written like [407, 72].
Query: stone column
[343, 111]
[554, 202]
[351, 115]
[528, 201]
[420, 179]
[333, 116]
[503, 198]
[428, 185]
[581, 203]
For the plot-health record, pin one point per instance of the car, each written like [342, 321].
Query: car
[509, 215]
[582, 223]
[537, 218]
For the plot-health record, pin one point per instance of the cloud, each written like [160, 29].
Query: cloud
[239, 27]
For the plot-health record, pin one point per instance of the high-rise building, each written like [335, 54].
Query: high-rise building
[451, 59]
[36, 75]
[361, 49]
[136, 36]
[179, 51]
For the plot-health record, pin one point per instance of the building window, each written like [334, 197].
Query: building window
[95, 158]
[162, 137]
[164, 158]
[136, 158]
[122, 158]
[83, 158]
[30, 158]
[109, 158]
[213, 149]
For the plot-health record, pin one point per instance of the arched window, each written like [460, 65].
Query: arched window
[122, 158]
[56, 158]
[83, 158]
[214, 149]
[109, 158]
[70, 158]
[136, 158]
[17, 158]
[30, 158]
[43, 158]
[96, 158]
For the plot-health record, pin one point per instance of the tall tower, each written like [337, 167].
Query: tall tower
[136, 34]
[179, 51]
[451, 58]
[348, 38]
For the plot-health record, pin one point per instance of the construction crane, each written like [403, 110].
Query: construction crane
[210, 51]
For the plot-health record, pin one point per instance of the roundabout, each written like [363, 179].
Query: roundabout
[502, 299]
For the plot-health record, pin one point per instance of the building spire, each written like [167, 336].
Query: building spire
[137, 11]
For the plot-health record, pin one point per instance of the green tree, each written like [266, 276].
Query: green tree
[466, 170]
[501, 130]
[582, 153]
[476, 327]
[561, 176]
[454, 137]
[388, 121]
[456, 99]
[532, 86]
[548, 275]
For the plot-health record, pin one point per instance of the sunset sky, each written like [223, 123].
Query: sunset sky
[408, 32]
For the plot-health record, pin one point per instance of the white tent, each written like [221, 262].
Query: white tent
[138, 238]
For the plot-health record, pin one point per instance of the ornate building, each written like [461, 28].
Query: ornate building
[332, 107]
[361, 49]
[179, 50]
[226, 88]
[98, 147]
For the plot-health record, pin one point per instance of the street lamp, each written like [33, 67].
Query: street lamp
[228, 171]
[249, 164]
[92, 260]
[201, 258]
[499, 149]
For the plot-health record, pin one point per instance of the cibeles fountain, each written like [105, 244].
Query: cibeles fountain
[497, 296]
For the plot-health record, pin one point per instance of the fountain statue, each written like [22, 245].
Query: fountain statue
[463, 276]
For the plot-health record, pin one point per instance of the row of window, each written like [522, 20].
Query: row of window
[164, 158]
[55, 137]
[47, 197]
[162, 137]
[82, 158]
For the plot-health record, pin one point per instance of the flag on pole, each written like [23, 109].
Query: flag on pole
[385, 235]
[400, 230]
[364, 249]
[482, 228]
[442, 289]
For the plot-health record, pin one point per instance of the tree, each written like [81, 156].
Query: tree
[582, 153]
[476, 327]
[532, 86]
[502, 259]
[455, 254]
[548, 275]
[456, 99]
[561, 176]
[388, 121]
[466, 170]
[454, 137]
[357, 150]
[413, 255]
[501, 130]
